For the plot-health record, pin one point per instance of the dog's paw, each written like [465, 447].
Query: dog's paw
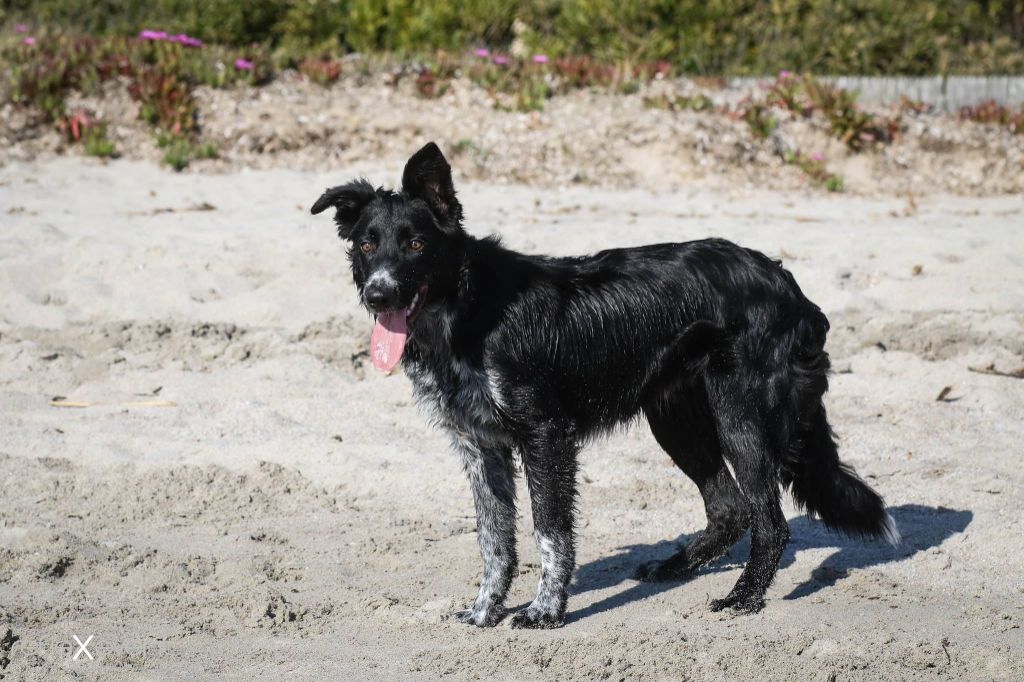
[738, 603]
[659, 571]
[533, 619]
[482, 618]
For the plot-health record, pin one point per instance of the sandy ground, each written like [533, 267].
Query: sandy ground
[589, 137]
[242, 495]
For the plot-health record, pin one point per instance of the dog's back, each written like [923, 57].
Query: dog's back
[603, 332]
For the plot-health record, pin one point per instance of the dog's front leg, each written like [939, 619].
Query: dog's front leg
[492, 477]
[551, 477]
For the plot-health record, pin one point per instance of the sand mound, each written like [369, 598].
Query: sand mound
[586, 137]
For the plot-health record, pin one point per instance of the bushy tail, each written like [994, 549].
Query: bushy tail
[833, 491]
[819, 482]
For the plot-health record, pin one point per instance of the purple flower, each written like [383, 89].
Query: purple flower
[243, 64]
[817, 156]
[29, 41]
[501, 60]
[185, 40]
[153, 35]
[21, 28]
[540, 59]
[482, 52]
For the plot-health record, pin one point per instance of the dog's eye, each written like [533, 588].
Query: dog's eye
[367, 247]
[416, 244]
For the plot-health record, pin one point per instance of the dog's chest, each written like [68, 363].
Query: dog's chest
[458, 397]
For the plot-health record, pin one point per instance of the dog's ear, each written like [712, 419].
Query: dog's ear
[428, 177]
[349, 201]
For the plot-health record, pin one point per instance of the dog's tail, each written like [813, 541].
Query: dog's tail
[819, 482]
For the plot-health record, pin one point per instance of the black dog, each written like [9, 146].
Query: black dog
[513, 354]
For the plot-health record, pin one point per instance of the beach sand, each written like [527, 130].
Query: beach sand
[200, 470]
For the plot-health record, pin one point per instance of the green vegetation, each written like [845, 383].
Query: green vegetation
[521, 52]
[207, 150]
[825, 37]
[97, 143]
[178, 154]
[758, 117]
[804, 96]
[814, 168]
[699, 102]
[160, 75]
[180, 151]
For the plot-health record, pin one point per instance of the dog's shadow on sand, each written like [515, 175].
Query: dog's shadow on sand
[921, 527]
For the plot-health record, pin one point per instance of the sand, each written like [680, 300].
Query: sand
[592, 137]
[239, 494]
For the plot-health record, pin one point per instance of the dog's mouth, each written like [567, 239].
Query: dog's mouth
[387, 343]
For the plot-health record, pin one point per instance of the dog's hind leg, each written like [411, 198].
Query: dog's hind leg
[748, 447]
[685, 429]
[550, 466]
[492, 477]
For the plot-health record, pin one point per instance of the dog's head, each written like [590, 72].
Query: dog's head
[401, 242]
[404, 245]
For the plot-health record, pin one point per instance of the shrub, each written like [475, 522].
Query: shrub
[699, 102]
[97, 143]
[206, 151]
[178, 152]
[161, 73]
[322, 71]
[814, 168]
[822, 36]
[851, 125]
[804, 96]
[532, 93]
[994, 112]
[912, 37]
[758, 116]
[165, 100]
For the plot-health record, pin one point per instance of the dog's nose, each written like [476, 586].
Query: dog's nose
[380, 298]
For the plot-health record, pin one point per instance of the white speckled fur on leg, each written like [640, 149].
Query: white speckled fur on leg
[551, 476]
[491, 476]
[557, 560]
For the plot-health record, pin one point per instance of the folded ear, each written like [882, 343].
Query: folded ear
[349, 201]
[428, 177]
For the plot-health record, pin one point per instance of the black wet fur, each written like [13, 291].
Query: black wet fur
[530, 356]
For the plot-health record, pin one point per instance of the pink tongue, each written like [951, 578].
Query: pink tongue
[388, 340]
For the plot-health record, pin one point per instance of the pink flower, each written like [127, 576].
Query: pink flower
[185, 40]
[783, 75]
[21, 28]
[153, 35]
[482, 52]
[29, 41]
[243, 64]
[501, 60]
[540, 59]
[817, 156]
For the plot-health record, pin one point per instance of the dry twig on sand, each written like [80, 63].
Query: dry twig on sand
[991, 369]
